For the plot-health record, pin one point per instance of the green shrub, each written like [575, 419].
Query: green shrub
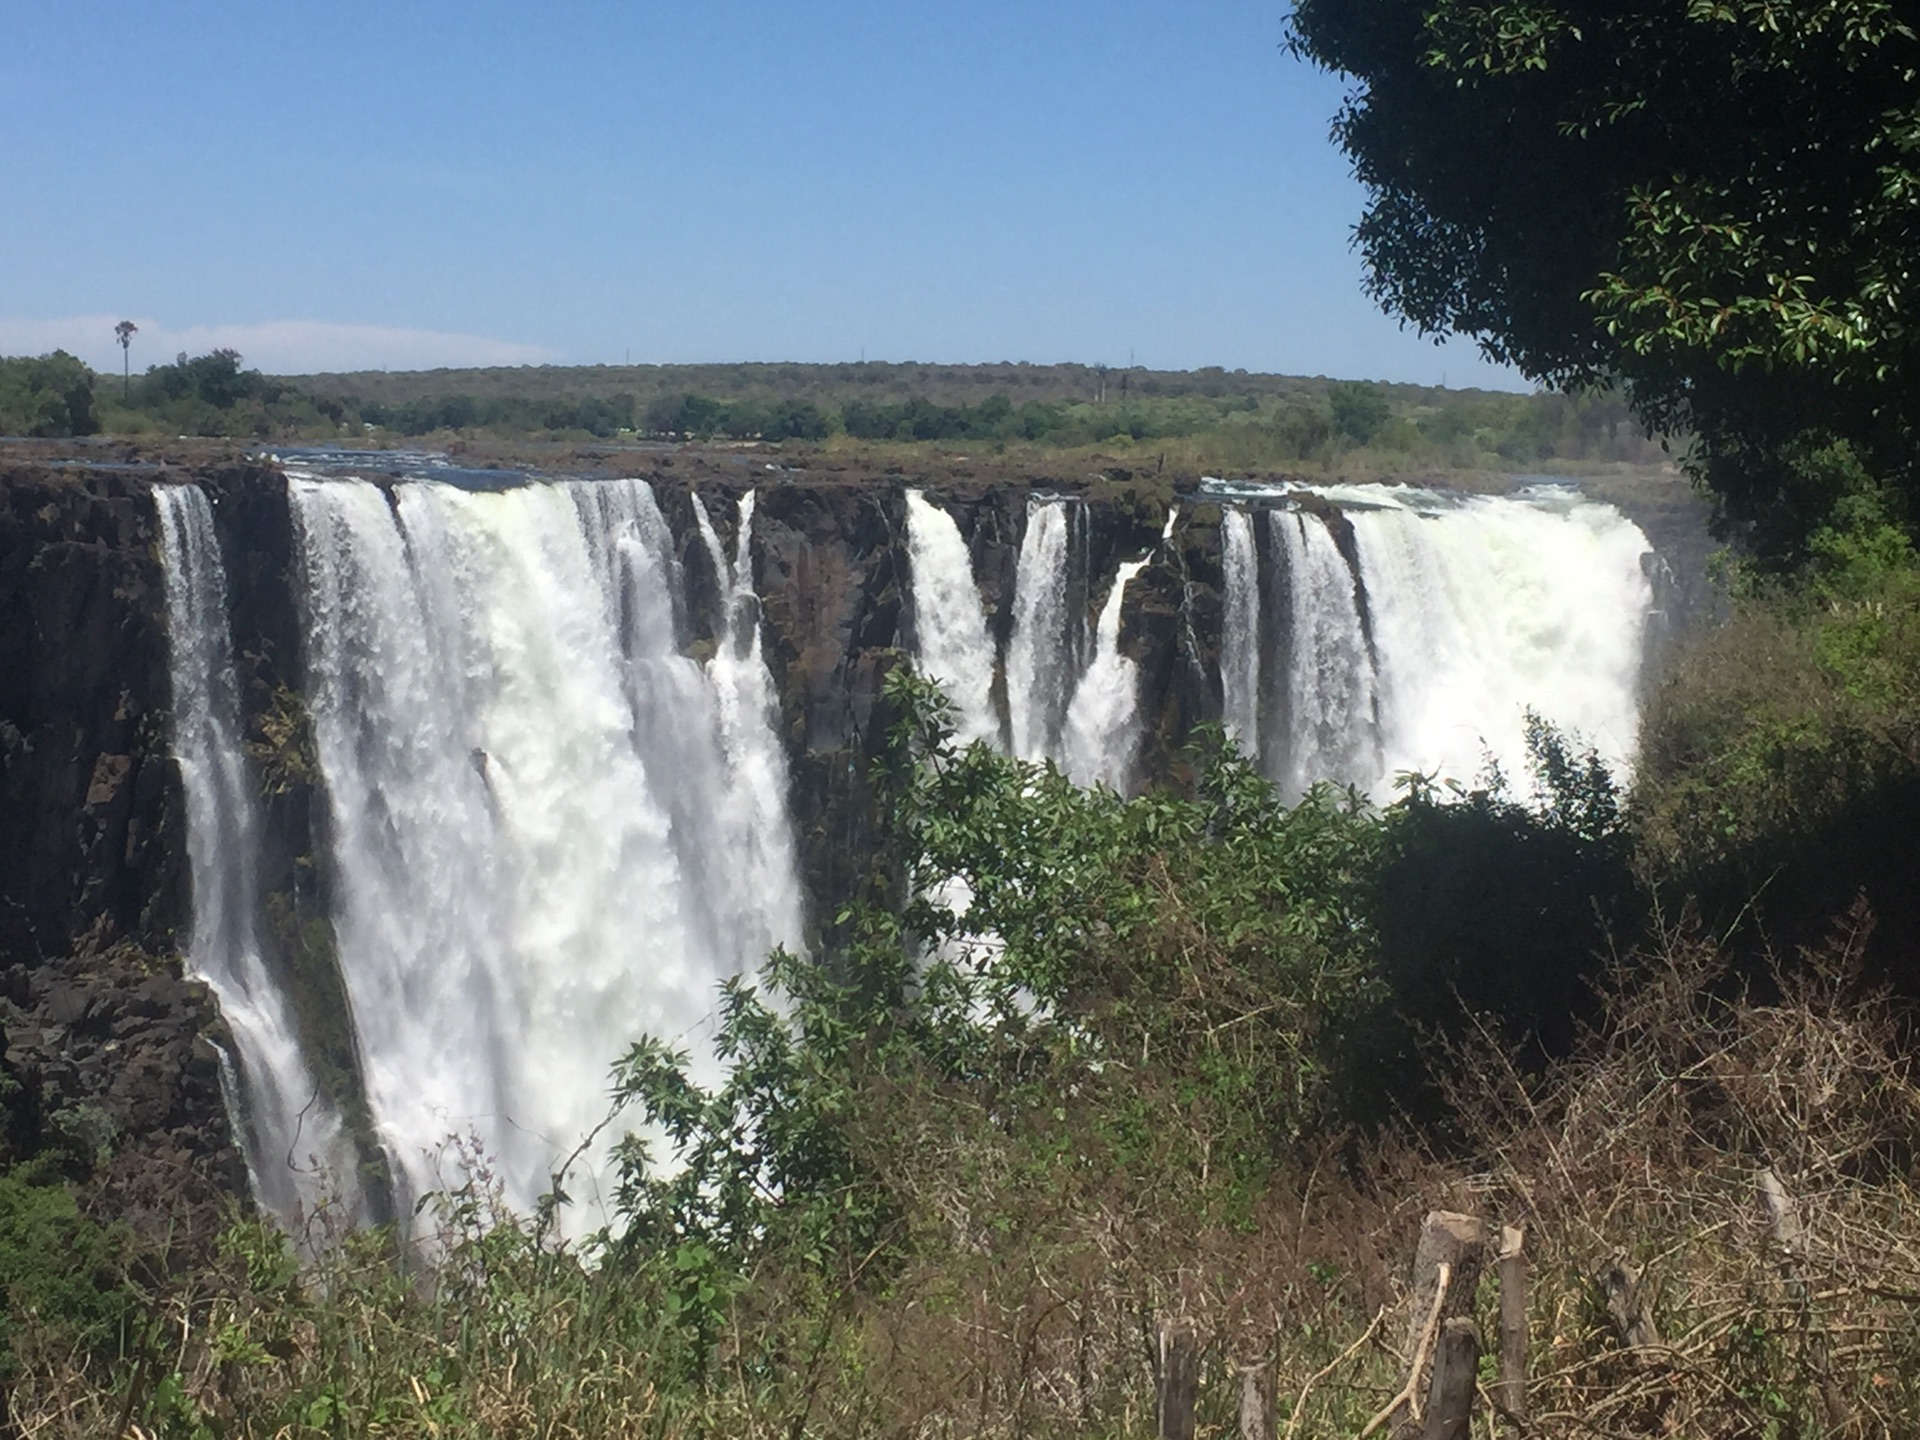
[62, 1275]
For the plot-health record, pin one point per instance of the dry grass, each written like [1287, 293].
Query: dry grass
[1038, 1275]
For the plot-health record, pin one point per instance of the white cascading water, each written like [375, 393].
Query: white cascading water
[1040, 651]
[1329, 684]
[1240, 632]
[1539, 600]
[1480, 607]
[752, 858]
[290, 1132]
[538, 813]
[1102, 729]
[949, 623]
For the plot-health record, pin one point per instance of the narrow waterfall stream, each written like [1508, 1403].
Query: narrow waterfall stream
[1240, 631]
[954, 646]
[1102, 731]
[290, 1134]
[1043, 649]
[1331, 725]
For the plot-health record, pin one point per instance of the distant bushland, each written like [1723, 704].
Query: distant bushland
[1198, 420]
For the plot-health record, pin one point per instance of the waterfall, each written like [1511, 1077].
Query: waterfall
[1329, 676]
[1240, 632]
[290, 1134]
[1456, 615]
[1041, 651]
[551, 832]
[753, 858]
[1484, 607]
[1102, 730]
[552, 826]
[954, 647]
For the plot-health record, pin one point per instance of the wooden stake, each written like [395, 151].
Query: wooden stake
[1446, 1268]
[1456, 1365]
[1632, 1316]
[1510, 1392]
[1179, 1379]
[1257, 1420]
[1783, 1224]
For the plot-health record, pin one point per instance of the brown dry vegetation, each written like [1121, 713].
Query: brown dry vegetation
[1037, 1281]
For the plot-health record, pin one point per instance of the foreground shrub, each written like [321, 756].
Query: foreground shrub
[1780, 761]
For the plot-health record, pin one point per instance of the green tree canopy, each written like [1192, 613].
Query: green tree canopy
[1712, 201]
[49, 396]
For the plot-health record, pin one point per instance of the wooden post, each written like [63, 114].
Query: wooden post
[1257, 1418]
[1446, 1268]
[1456, 1367]
[1179, 1379]
[1510, 1392]
[1632, 1315]
[1783, 1224]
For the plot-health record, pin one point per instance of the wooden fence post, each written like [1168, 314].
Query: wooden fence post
[1179, 1379]
[1456, 1367]
[1257, 1418]
[1446, 1268]
[1632, 1315]
[1510, 1392]
[1783, 1224]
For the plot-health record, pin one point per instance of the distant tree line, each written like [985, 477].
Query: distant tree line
[217, 395]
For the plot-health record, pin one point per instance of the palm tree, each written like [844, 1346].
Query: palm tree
[124, 333]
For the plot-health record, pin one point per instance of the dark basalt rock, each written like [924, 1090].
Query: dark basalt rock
[108, 1066]
[92, 845]
[114, 1077]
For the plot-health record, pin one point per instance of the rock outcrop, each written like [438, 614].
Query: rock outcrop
[108, 1063]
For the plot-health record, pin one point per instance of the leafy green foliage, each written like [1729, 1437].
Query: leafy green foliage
[60, 1272]
[1780, 755]
[1496, 912]
[1359, 410]
[1710, 202]
[1069, 965]
[51, 396]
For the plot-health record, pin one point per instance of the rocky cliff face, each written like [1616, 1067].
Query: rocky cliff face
[108, 1066]
[109, 1054]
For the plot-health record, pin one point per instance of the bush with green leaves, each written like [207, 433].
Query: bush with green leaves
[63, 1276]
[1780, 753]
[1062, 950]
[50, 396]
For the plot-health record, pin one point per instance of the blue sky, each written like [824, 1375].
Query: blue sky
[430, 183]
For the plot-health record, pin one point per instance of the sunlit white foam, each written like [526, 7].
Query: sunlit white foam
[1459, 613]
[1040, 669]
[550, 830]
[954, 647]
[1102, 730]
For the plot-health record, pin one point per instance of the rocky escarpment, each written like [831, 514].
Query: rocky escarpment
[107, 1066]
[110, 1055]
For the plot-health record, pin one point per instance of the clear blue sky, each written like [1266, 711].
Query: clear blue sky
[411, 183]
